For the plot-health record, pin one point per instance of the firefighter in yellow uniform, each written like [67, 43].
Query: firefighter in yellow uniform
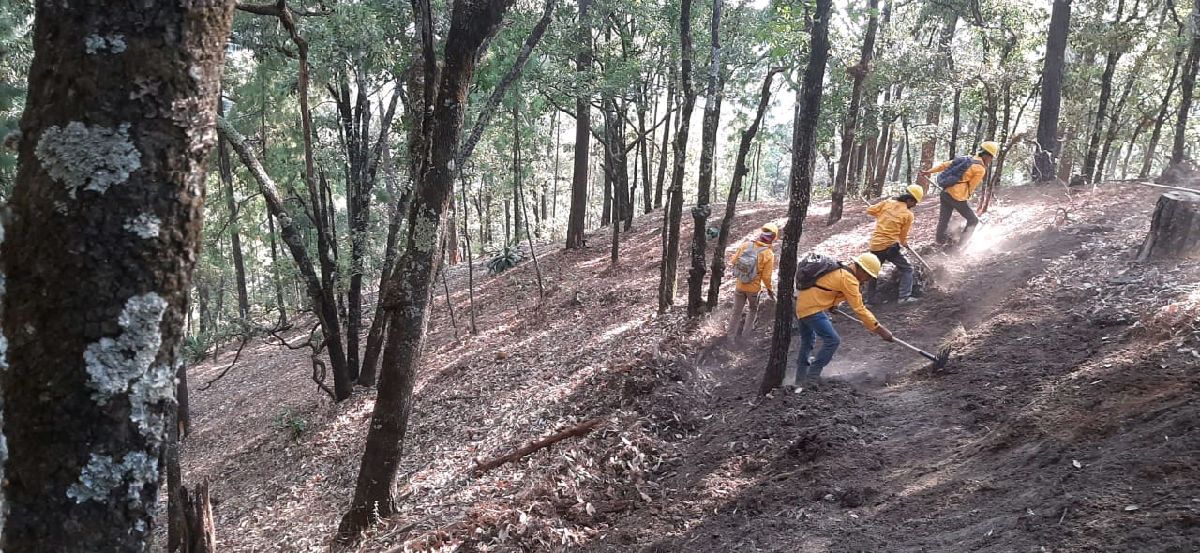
[962, 176]
[753, 264]
[893, 220]
[813, 305]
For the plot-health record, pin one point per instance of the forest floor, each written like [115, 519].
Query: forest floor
[1066, 419]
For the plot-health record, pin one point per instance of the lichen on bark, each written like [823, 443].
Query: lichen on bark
[102, 476]
[114, 363]
[88, 157]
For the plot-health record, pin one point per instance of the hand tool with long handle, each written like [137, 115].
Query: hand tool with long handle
[919, 258]
[939, 360]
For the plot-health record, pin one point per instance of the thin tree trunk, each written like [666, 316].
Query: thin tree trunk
[470, 260]
[225, 169]
[319, 205]
[557, 154]
[321, 297]
[501, 89]
[1186, 88]
[804, 139]
[662, 158]
[1163, 109]
[933, 114]
[735, 190]
[955, 121]
[1137, 131]
[708, 146]
[671, 220]
[644, 138]
[102, 236]
[280, 304]
[1105, 165]
[859, 75]
[471, 24]
[1092, 154]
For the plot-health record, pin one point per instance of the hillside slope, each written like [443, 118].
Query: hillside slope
[1066, 354]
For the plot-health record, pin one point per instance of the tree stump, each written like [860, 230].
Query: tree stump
[200, 532]
[1175, 228]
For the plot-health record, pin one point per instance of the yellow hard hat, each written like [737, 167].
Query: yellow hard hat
[990, 147]
[869, 263]
[916, 192]
[771, 228]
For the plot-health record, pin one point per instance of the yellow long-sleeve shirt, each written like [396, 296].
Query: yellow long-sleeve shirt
[970, 180]
[893, 220]
[831, 289]
[766, 267]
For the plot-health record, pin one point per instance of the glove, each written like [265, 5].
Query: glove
[884, 333]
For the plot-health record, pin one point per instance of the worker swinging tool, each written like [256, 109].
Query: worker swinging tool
[823, 283]
[893, 219]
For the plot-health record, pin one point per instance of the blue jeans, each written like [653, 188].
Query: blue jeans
[895, 256]
[817, 324]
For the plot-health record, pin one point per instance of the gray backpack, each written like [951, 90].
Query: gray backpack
[745, 267]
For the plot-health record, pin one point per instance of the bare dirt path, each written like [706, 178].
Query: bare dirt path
[1057, 360]
[961, 460]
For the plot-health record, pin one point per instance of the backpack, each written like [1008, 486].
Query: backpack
[812, 267]
[745, 267]
[955, 171]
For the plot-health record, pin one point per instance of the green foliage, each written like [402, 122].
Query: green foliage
[291, 423]
[504, 260]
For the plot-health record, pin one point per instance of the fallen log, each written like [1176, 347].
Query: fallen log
[1178, 188]
[580, 429]
[1174, 228]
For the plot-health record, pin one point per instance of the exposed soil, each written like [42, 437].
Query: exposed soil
[1065, 421]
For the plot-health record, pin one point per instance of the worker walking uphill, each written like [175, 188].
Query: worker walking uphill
[753, 264]
[893, 220]
[823, 283]
[958, 180]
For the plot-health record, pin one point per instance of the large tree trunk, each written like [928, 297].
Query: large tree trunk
[859, 75]
[1174, 229]
[1188, 85]
[804, 139]
[708, 146]
[410, 291]
[105, 222]
[671, 220]
[735, 190]
[583, 133]
[1052, 79]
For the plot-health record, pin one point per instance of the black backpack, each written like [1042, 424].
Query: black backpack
[812, 267]
[955, 171]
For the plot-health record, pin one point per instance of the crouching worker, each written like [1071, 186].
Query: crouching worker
[753, 264]
[893, 220]
[823, 283]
